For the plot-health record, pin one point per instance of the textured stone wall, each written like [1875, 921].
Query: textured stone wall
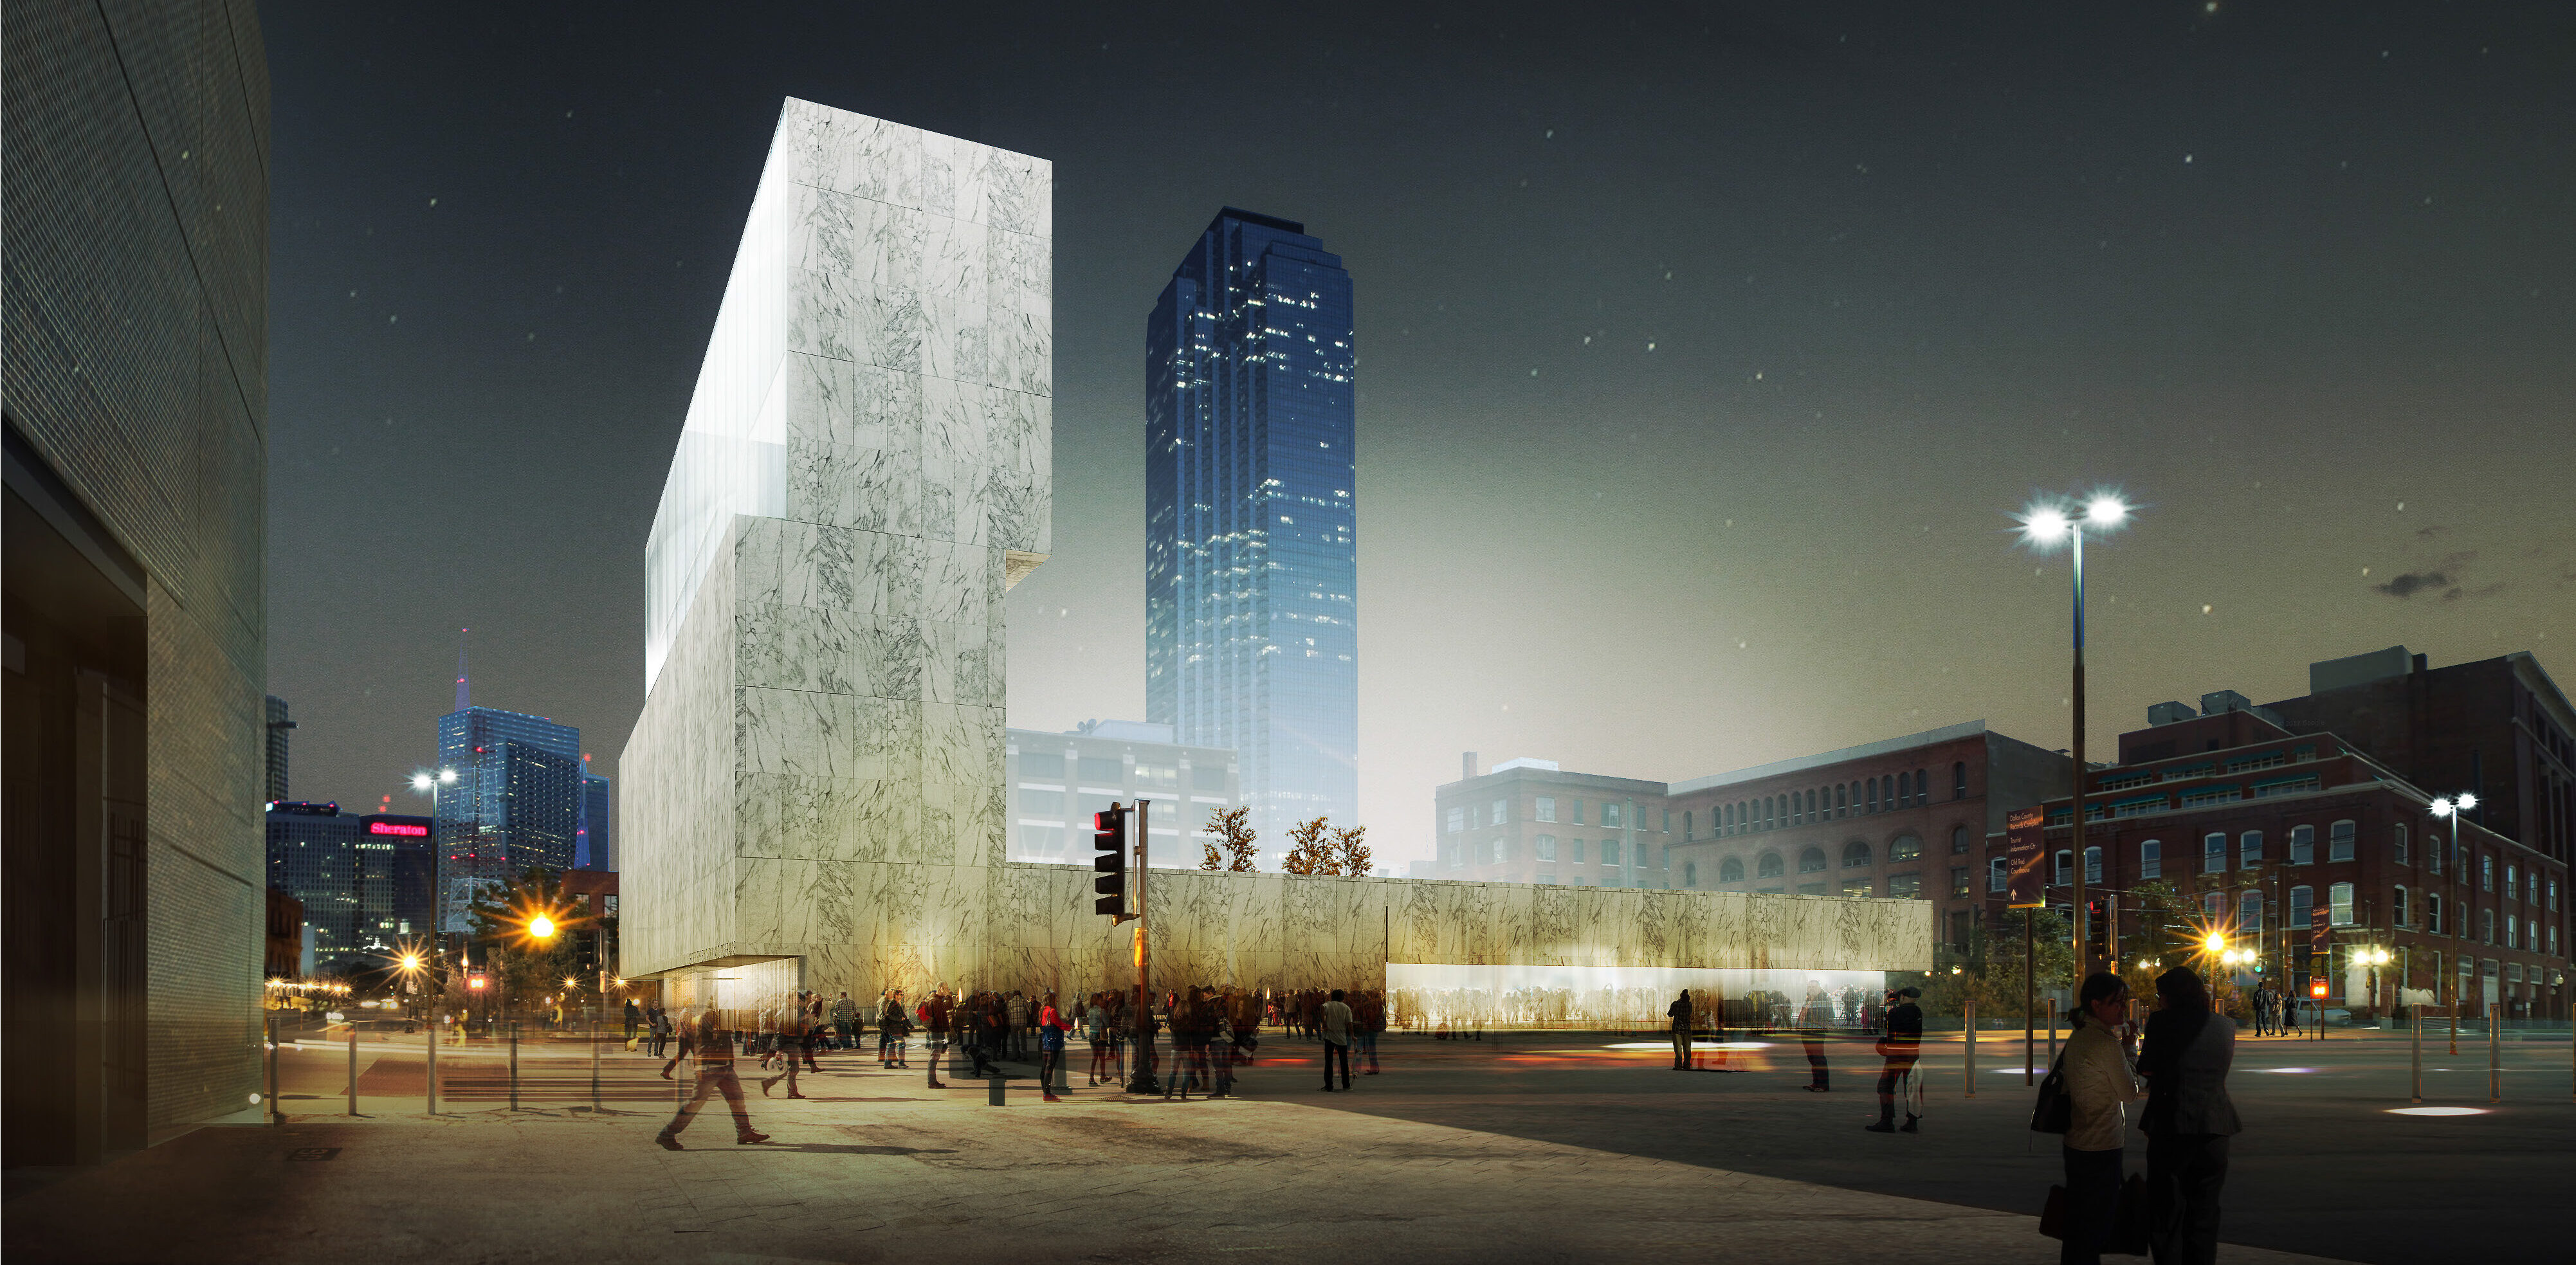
[135, 366]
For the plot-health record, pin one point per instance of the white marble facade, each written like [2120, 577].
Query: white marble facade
[815, 791]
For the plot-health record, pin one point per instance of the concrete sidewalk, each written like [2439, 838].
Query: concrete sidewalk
[874, 1167]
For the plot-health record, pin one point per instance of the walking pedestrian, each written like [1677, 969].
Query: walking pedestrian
[1333, 1019]
[2189, 1118]
[1372, 1021]
[845, 1017]
[706, 1038]
[2100, 1083]
[936, 1015]
[986, 1027]
[1051, 1029]
[1902, 1045]
[1680, 1013]
[634, 1017]
[791, 1037]
[893, 1022]
[1017, 1008]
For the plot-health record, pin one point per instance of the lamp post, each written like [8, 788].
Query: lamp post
[2046, 524]
[2452, 806]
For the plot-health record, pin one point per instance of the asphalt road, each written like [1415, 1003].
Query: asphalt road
[2323, 1166]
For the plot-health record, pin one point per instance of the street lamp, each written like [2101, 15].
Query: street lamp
[2046, 524]
[2452, 806]
[428, 783]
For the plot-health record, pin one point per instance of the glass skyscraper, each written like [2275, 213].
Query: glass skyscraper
[516, 804]
[1251, 563]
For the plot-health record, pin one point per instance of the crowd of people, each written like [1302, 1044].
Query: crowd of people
[1209, 1033]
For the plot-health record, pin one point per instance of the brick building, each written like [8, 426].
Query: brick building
[2257, 825]
[2499, 728]
[1904, 818]
[1527, 821]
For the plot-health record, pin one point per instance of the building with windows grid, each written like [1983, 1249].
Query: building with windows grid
[363, 881]
[1251, 565]
[1059, 780]
[516, 804]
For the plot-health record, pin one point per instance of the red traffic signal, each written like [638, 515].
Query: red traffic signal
[2317, 988]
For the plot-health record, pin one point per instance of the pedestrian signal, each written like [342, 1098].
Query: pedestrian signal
[1109, 841]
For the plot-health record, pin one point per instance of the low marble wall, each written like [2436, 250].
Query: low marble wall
[866, 926]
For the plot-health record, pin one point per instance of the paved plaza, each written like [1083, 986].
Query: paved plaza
[1523, 1147]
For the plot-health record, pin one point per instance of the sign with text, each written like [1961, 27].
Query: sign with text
[2320, 929]
[2025, 850]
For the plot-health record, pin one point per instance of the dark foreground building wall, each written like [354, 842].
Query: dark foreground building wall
[133, 378]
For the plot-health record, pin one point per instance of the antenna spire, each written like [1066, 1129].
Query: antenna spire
[463, 696]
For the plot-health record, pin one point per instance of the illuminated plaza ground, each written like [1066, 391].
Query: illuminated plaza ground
[1521, 1147]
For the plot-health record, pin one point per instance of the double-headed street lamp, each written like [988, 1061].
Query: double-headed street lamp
[2452, 806]
[2046, 524]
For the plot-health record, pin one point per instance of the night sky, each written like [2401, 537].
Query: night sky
[1701, 353]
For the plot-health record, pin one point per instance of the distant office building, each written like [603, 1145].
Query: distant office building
[1059, 780]
[592, 851]
[278, 725]
[1251, 565]
[1904, 818]
[134, 361]
[363, 881]
[516, 803]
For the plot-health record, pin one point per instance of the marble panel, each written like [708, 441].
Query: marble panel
[798, 732]
[797, 648]
[887, 656]
[955, 289]
[871, 489]
[821, 315]
[887, 409]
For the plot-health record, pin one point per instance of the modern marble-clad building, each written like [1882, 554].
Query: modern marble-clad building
[864, 469]
[817, 790]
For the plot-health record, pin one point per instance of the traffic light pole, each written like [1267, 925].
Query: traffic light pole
[1142, 1080]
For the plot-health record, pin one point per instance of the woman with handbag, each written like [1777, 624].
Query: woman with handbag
[2189, 1117]
[2099, 1085]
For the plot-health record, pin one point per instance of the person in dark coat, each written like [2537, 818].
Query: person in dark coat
[1901, 1046]
[1680, 1013]
[2189, 1118]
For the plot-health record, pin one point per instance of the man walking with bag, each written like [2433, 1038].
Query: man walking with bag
[1901, 1046]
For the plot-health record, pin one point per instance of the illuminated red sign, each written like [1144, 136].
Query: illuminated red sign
[396, 828]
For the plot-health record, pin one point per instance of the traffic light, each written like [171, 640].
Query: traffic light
[1109, 840]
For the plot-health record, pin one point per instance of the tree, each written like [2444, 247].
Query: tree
[1311, 854]
[502, 917]
[1237, 835]
[1347, 841]
[1994, 974]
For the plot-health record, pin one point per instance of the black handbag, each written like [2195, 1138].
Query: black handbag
[2055, 1110]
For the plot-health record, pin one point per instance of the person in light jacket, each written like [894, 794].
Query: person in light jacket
[2188, 1051]
[2100, 1083]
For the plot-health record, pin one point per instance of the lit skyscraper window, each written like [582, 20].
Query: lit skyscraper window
[1251, 564]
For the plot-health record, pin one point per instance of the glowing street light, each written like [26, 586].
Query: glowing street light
[2046, 523]
[541, 927]
[2453, 807]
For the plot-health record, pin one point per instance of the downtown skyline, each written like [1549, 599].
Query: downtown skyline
[1699, 376]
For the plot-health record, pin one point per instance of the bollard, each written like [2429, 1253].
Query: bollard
[514, 1065]
[353, 1067]
[2052, 1032]
[429, 1042]
[2415, 1023]
[1970, 1065]
[2495, 1054]
[993, 1091]
[275, 1116]
[594, 1064]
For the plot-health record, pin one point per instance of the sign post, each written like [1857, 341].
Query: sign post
[2025, 847]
